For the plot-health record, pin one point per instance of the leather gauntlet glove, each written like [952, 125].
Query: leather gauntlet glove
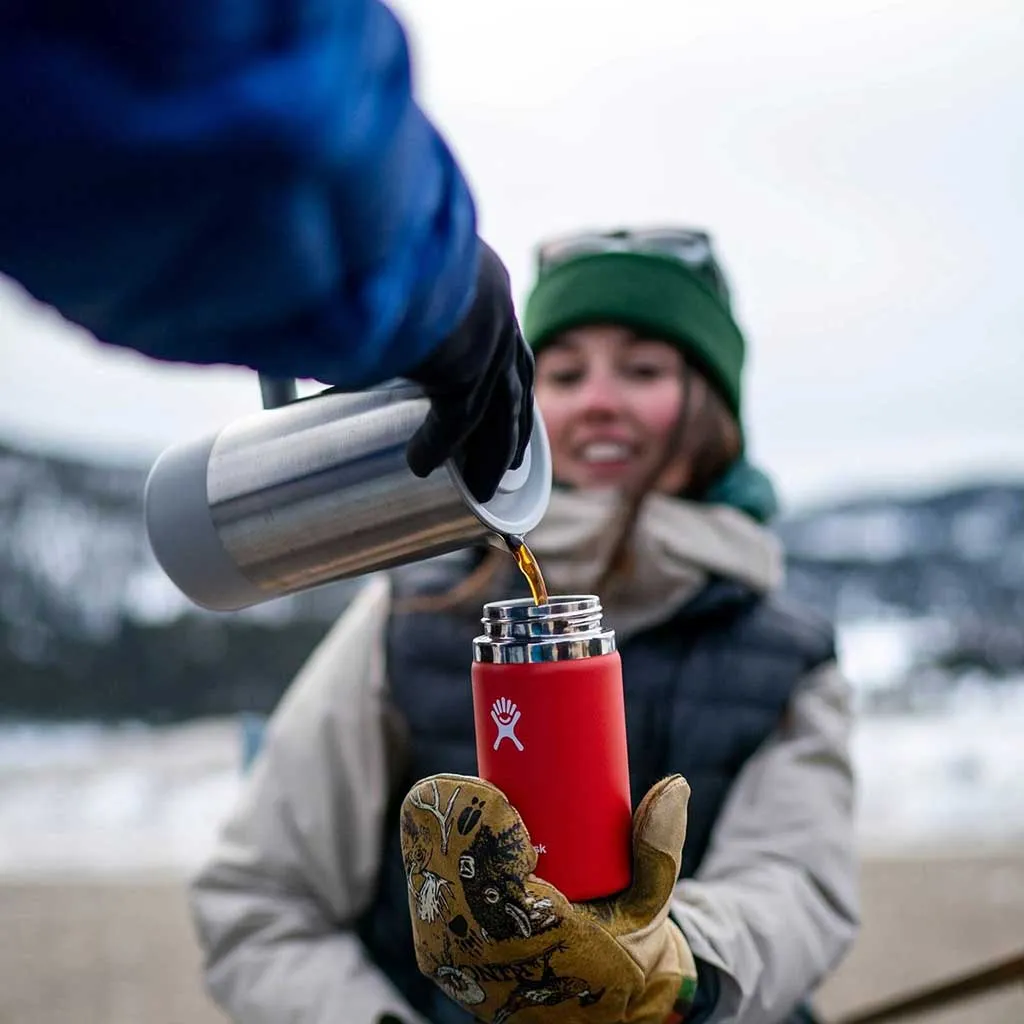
[508, 946]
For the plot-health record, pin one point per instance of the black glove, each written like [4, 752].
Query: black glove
[480, 384]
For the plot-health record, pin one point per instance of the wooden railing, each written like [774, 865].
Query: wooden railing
[988, 979]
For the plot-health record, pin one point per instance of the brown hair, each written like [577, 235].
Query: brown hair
[705, 433]
[494, 564]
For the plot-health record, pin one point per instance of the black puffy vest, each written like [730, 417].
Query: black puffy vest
[703, 692]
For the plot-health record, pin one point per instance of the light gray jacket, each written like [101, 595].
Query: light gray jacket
[773, 907]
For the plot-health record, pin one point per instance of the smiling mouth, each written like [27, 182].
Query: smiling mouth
[599, 453]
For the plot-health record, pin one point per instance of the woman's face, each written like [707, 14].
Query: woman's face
[611, 401]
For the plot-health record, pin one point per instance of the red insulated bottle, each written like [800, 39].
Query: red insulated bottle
[551, 734]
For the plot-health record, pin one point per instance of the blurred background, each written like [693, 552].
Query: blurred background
[860, 166]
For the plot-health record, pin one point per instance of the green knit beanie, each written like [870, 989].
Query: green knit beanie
[653, 294]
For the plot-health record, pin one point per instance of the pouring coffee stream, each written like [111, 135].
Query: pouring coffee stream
[528, 566]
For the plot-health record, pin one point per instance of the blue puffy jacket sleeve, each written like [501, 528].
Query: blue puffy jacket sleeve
[231, 181]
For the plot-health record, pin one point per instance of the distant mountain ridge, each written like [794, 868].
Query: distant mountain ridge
[90, 626]
[955, 559]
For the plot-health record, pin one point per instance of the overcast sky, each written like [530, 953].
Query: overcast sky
[861, 165]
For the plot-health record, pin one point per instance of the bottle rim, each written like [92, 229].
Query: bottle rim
[524, 608]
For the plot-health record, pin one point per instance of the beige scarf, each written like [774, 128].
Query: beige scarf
[676, 546]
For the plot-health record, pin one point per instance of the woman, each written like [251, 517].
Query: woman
[304, 909]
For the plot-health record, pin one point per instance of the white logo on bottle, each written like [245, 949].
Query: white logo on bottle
[506, 715]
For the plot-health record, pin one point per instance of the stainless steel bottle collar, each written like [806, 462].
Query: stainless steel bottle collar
[564, 629]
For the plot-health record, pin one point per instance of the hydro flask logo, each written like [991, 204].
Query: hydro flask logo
[506, 715]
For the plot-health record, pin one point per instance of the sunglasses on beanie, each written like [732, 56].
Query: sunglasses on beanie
[689, 246]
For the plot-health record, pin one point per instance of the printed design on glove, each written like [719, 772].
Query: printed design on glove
[536, 983]
[467, 938]
[429, 895]
[506, 716]
[492, 871]
[469, 818]
[444, 817]
[458, 984]
[549, 989]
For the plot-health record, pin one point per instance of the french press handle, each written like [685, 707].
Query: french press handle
[277, 391]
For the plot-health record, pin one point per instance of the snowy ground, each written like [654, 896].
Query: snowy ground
[952, 777]
[89, 798]
[112, 800]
